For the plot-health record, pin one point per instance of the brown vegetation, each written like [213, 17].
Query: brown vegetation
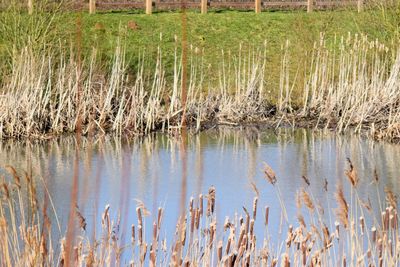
[199, 240]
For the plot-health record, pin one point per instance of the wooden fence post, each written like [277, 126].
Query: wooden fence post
[309, 6]
[92, 6]
[360, 6]
[30, 7]
[258, 6]
[203, 6]
[149, 7]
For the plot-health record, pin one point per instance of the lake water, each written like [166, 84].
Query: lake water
[165, 171]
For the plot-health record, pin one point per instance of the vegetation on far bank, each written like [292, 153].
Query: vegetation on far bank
[122, 72]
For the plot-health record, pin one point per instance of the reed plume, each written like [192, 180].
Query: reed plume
[391, 197]
[342, 212]
[351, 174]
[270, 174]
[307, 200]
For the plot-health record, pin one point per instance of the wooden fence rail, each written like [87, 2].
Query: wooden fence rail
[257, 5]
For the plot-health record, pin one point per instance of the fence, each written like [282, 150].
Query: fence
[257, 5]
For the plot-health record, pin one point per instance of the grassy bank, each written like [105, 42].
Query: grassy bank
[209, 34]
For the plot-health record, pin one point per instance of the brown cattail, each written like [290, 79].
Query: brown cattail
[140, 234]
[255, 201]
[159, 217]
[285, 260]
[211, 201]
[183, 232]
[192, 220]
[337, 228]
[212, 234]
[380, 247]
[251, 227]
[133, 237]
[247, 225]
[266, 215]
[140, 217]
[219, 251]
[143, 253]
[362, 225]
[304, 253]
[290, 236]
[385, 220]
[155, 233]
[393, 220]
[242, 232]
[191, 204]
[245, 242]
[228, 245]
[240, 253]
[152, 257]
[241, 221]
[201, 204]
[373, 233]
[197, 215]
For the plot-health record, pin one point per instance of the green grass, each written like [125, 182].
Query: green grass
[216, 31]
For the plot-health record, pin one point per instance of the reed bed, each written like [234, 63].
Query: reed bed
[356, 236]
[353, 87]
[40, 96]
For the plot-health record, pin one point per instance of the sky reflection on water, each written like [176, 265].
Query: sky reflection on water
[122, 172]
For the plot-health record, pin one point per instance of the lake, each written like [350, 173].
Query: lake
[163, 170]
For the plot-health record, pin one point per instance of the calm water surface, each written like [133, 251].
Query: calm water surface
[161, 170]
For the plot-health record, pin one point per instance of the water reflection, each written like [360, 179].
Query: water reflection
[162, 170]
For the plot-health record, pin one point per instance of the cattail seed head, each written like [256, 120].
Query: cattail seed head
[266, 215]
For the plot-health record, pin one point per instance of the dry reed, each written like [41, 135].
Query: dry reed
[202, 239]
